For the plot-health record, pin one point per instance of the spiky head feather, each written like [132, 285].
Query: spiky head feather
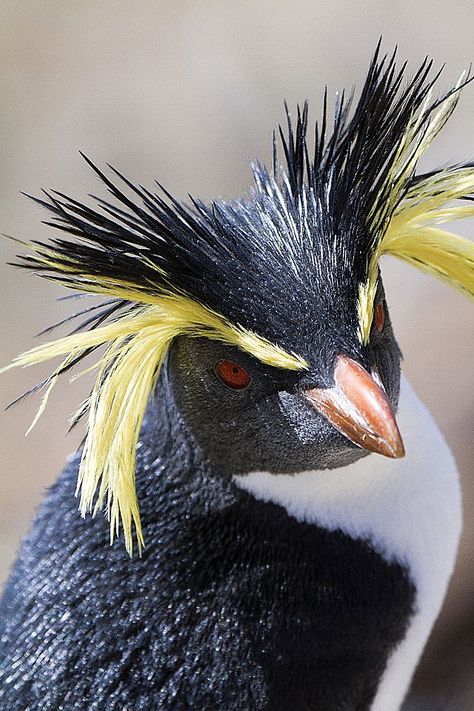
[253, 272]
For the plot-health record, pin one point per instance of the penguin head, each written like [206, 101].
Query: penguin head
[269, 310]
[249, 416]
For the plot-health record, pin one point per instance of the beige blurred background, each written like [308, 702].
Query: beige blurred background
[186, 92]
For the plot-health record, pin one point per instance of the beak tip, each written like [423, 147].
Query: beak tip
[391, 447]
[399, 450]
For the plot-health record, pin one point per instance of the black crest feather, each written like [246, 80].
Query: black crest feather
[267, 253]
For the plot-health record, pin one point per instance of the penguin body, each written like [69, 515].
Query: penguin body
[243, 602]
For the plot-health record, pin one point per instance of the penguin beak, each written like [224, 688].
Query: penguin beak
[358, 407]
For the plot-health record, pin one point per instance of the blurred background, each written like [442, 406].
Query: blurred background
[186, 92]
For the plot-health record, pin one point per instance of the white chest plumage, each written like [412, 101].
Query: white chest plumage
[409, 509]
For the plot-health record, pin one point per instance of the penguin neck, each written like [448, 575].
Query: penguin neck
[376, 498]
[373, 499]
[167, 449]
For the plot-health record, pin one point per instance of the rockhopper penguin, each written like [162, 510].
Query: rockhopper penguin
[249, 369]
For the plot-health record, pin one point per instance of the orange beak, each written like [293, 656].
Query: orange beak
[358, 407]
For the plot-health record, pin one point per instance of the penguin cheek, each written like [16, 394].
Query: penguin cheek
[316, 444]
[386, 357]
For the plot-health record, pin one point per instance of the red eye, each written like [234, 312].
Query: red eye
[380, 316]
[232, 375]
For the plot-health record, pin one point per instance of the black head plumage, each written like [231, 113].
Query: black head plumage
[281, 257]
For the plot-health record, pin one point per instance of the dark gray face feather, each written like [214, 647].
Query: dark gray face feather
[270, 425]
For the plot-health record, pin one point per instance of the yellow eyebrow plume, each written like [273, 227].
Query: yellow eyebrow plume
[137, 344]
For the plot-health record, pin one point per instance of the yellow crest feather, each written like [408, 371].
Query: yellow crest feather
[411, 232]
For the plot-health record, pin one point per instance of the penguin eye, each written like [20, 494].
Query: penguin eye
[232, 375]
[379, 319]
